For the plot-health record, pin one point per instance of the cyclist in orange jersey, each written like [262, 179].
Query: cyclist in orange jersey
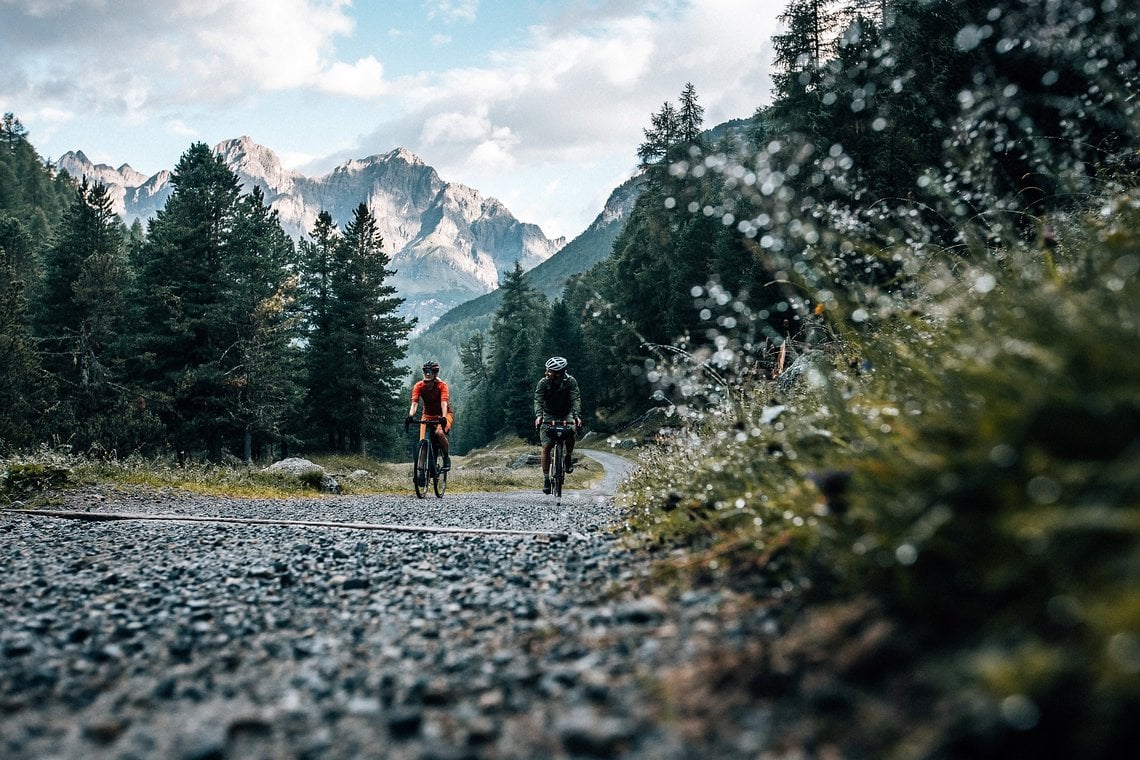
[433, 393]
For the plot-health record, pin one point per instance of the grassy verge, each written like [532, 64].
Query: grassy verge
[968, 464]
[494, 468]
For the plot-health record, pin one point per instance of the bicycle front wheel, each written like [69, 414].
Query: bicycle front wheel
[559, 473]
[419, 471]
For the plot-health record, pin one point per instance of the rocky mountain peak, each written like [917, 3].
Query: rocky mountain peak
[447, 242]
[255, 162]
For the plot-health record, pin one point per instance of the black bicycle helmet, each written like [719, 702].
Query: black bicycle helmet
[431, 366]
[556, 364]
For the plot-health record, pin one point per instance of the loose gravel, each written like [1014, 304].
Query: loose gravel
[197, 640]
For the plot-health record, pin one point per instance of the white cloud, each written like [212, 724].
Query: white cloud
[453, 11]
[363, 79]
[177, 51]
[573, 90]
[453, 126]
[179, 128]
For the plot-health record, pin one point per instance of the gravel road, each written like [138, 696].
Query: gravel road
[197, 640]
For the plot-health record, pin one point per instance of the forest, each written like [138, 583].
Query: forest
[208, 336]
[885, 341]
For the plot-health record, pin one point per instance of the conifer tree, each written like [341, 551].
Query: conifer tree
[369, 335]
[262, 366]
[516, 364]
[478, 418]
[690, 116]
[32, 199]
[81, 316]
[182, 282]
[318, 278]
[562, 335]
[25, 389]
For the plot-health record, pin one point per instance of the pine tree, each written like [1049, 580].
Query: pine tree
[516, 364]
[690, 116]
[81, 319]
[32, 200]
[370, 336]
[660, 136]
[25, 389]
[322, 363]
[262, 366]
[182, 282]
[478, 418]
[562, 335]
[83, 287]
[690, 257]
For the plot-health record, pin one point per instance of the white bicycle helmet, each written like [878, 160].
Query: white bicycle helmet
[556, 364]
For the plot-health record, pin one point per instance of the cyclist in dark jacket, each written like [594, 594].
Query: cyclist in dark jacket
[556, 397]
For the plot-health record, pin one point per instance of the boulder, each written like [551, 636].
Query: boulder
[307, 472]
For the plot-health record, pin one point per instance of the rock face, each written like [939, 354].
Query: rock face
[448, 244]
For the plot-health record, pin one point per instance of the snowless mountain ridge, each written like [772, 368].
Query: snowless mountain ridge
[448, 243]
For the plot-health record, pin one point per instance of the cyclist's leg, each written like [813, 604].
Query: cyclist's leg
[569, 462]
[444, 447]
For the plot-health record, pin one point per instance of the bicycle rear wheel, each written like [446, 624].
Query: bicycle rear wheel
[438, 478]
[419, 470]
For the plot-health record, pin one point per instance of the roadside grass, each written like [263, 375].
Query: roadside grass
[27, 478]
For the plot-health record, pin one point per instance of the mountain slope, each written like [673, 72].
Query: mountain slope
[442, 340]
[447, 242]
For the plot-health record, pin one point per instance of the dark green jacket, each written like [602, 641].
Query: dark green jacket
[561, 402]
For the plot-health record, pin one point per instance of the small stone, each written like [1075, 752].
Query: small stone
[104, 732]
[405, 722]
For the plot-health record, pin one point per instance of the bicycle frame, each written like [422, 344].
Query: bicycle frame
[426, 466]
[560, 431]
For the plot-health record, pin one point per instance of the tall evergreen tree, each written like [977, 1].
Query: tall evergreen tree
[516, 364]
[562, 335]
[182, 282]
[479, 419]
[25, 389]
[322, 365]
[262, 366]
[690, 116]
[81, 316]
[32, 200]
[691, 252]
[370, 335]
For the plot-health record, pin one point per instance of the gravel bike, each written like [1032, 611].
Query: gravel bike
[426, 466]
[560, 430]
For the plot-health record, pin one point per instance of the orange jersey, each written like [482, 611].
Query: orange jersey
[432, 396]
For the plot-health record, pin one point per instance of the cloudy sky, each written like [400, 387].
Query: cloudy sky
[540, 104]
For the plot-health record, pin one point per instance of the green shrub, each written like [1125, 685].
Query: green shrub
[971, 459]
[23, 480]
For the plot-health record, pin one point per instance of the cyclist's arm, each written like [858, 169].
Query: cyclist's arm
[575, 401]
[444, 399]
[539, 400]
[415, 400]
